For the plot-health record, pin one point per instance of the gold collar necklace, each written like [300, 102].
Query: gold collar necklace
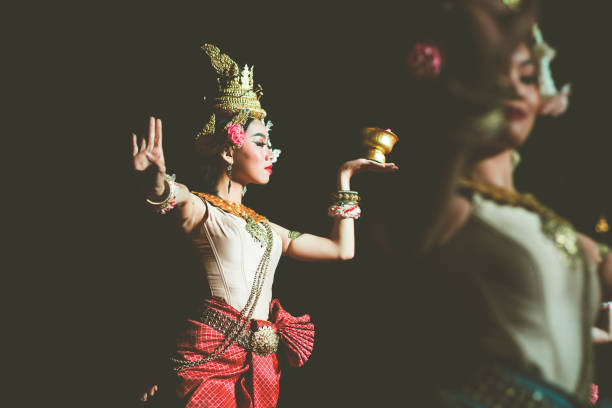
[555, 227]
[256, 224]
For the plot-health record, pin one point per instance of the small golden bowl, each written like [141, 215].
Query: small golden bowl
[377, 143]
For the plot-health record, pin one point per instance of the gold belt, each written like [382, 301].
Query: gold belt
[263, 341]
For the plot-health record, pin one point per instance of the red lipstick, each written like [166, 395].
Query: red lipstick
[269, 169]
[515, 113]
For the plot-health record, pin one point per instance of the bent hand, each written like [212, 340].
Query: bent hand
[352, 167]
[556, 104]
[148, 159]
[600, 336]
[364, 165]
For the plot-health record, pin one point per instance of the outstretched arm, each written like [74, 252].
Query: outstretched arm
[340, 245]
[150, 166]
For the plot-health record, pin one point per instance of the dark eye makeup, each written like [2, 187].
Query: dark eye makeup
[529, 79]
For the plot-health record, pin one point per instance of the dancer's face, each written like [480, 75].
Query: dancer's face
[253, 161]
[522, 108]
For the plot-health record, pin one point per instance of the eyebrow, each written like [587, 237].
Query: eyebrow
[528, 62]
[259, 135]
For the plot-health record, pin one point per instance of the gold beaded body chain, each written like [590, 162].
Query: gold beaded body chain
[261, 232]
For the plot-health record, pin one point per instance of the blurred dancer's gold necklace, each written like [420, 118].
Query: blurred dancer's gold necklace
[557, 229]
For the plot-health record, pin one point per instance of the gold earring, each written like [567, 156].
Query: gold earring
[228, 171]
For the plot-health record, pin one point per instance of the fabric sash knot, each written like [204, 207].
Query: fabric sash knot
[296, 333]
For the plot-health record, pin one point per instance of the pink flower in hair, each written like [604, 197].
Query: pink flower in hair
[425, 61]
[594, 393]
[236, 134]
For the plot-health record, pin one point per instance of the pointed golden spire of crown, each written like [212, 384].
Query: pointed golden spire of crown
[235, 88]
[236, 98]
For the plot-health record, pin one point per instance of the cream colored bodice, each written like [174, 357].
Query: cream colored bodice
[530, 306]
[229, 257]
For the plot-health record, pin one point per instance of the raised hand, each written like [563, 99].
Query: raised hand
[150, 151]
[148, 159]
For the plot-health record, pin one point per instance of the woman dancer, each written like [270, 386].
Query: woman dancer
[523, 288]
[226, 354]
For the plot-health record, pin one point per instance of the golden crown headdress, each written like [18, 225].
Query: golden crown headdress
[236, 98]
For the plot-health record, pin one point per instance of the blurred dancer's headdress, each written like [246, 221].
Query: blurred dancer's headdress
[236, 98]
[426, 61]
[545, 54]
[555, 102]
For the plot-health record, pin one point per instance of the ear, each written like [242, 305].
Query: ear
[227, 155]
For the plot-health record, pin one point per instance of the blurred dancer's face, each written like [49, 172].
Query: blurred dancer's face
[523, 106]
[253, 161]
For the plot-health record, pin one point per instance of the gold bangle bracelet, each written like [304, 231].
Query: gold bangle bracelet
[165, 200]
[168, 187]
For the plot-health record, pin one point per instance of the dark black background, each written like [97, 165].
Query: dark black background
[327, 70]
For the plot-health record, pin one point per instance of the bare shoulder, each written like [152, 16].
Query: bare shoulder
[453, 218]
[590, 247]
[283, 233]
[192, 212]
[278, 229]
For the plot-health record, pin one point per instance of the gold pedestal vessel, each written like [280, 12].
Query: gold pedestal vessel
[377, 143]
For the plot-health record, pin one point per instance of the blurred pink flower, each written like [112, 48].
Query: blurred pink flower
[425, 61]
[594, 393]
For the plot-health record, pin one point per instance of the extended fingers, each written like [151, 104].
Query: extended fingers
[150, 393]
[383, 167]
[389, 167]
[134, 145]
[392, 167]
[556, 105]
[151, 141]
[158, 133]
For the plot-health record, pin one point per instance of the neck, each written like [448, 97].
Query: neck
[235, 193]
[495, 170]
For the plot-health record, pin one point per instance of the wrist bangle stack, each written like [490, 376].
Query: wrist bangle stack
[346, 197]
[344, 211]
[345, 205]
[169, 202]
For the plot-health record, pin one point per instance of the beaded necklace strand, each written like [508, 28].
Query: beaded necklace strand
[260, 230]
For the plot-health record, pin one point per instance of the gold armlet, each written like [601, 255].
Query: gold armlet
[294, 235]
